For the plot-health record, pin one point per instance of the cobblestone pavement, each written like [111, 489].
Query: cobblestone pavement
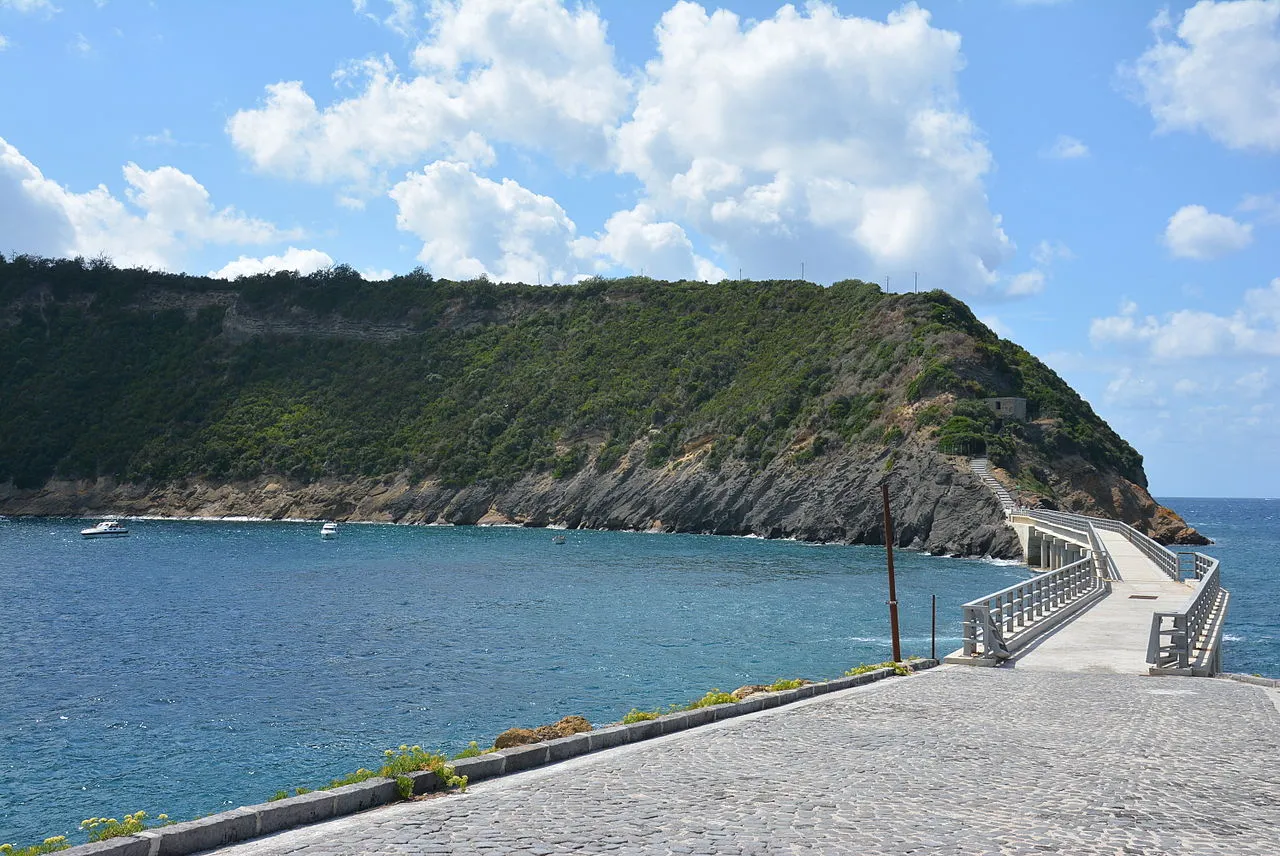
[955, 760]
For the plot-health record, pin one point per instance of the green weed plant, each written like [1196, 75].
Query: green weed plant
[102, 828]
[50, 845]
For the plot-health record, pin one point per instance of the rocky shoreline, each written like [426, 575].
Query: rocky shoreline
[938, 505]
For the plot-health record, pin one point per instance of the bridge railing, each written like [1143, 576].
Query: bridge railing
[1108, 570]
[1002, 622]
[1149, 547]
[1177, 636]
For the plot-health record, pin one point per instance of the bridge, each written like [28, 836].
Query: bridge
[1109, 599]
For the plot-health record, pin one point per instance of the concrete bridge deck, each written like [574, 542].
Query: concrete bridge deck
[953, 760]
[1111, 636]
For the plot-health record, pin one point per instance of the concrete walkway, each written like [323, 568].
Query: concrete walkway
[954, 760]
[1112, 635]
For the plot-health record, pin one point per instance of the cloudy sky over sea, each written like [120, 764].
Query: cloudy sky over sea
[1100, 179]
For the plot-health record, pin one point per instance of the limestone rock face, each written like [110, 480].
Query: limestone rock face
[938, 505]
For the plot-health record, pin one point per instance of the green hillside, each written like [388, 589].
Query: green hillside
[149, 377]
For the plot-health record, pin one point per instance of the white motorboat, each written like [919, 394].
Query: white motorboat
[329, 531]
[106, 529]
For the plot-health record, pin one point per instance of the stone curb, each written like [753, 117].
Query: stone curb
[240, 824]
[1257, 680]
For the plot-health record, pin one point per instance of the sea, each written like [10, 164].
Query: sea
[196, 666]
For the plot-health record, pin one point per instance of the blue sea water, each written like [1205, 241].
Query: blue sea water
[1246, 536]
[196, 666]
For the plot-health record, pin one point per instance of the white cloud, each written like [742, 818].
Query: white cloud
[1027, 283]
[1134, 389]
[1196, 233]
[1047, 252]
[29, 6]
[1253, 384]
[1219, 73]
[80, 45]
[1265, 206]
[1253, 330]
[1067, 148]
[401, 18]
[167, 213]
[4, 43]
[526, 72]
[817, 137]
[302, 261]
[472, 226]
[636, 240]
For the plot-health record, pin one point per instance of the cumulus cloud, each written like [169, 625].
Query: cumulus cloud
[527, 72]
[1253, 330]
[1067, 148]
[43, 6]
[1196, 233]
[302, 261]
[638, 241]
[165, 212]
[472, 226]
[1047, 252]
[810, 137]
[1027, 283]
[1219, 72]
[820, 137]
[401, 16]
[1265, 207]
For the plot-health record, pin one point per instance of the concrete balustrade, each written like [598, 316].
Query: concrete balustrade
[995, 627]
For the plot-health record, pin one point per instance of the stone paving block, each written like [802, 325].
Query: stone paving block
[569, 747]
[426, 782]
[673, 722]
[293, 811]
[751, 704]
[525, 757]
[128, 845]
[349, 799]
[637, 731]
[607, 738]
[480, 767]
[723, 711]
[806, 691]
[221, 829]
[787, 696]
[770, 700]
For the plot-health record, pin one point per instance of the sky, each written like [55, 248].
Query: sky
[1098, 179]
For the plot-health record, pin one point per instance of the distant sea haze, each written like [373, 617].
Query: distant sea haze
[254, 657]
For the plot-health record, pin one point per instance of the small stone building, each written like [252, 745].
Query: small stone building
[1008, 407]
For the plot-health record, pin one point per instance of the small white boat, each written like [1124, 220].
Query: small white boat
[106, 529]
[329, 531]
[557, 539]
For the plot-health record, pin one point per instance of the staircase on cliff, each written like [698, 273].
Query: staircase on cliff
[982, 469]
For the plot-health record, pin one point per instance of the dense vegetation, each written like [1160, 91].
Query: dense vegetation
[143, 376]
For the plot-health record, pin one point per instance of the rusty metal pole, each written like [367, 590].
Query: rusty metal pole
[893, 592]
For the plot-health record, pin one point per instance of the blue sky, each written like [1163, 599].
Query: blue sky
[1099, 180]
